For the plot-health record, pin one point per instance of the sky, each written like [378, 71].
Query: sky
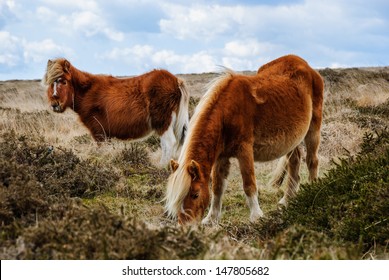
[130, 37]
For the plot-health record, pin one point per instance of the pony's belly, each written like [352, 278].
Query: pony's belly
[271, 148]
[264, 153]
[279, 132]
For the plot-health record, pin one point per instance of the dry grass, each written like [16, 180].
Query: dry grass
[355, 103]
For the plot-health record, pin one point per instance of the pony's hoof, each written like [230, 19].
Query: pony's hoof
[282, 204]
[256, 216]
[207, 221]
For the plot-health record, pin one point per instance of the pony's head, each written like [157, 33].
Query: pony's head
[57, 78]
[187, 192]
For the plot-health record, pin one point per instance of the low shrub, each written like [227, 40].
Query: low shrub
[58, 170]
[351, 202]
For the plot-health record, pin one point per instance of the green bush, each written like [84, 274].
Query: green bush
[351, 202]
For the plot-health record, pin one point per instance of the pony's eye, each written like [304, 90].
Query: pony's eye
[194, 195]
[61, 81]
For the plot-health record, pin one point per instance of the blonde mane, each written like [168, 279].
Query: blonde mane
[179, 182]
[54, 70]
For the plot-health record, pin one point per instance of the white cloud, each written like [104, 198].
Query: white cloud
[136, 57]
[83, 17]
[9, 4]
[45, 14]
[15, 51]
[139, 51]
[9, 59]
[9, 48]
[86, 5]
[40, 51]
[90, 24]
[146, 57]
[248, 48]
[166, 57]
[191, 63]
[249, 54]
[200, 22]
[8, 41]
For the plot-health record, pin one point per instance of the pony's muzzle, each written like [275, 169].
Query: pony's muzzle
[56, 107]
[186, 219]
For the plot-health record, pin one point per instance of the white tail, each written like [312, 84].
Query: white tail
[279, 173]
[182, 121]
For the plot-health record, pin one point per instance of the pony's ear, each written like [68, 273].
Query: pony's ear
[174, 165]
[194, 170]
[258, 95]
[66, 66]
[49, 63]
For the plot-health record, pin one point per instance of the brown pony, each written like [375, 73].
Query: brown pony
[253, 118]
[130, 108]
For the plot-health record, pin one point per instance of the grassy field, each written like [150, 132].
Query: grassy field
[63, 197]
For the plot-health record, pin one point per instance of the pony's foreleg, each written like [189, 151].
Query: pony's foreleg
[219, 184]
[293, 175]
[246, 164]
[168, 141]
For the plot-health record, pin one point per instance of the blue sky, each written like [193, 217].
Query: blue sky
[130, 37]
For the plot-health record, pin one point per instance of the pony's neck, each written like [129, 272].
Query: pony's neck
[206, 143]
[81, 82]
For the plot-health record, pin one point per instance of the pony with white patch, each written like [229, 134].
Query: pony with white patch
[127, 109]
[252, 118]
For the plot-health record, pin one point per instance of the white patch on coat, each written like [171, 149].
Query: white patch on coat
[255, 210]
[55, 94]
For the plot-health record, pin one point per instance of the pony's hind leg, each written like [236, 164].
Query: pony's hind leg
[312, 141]
[246, 164]
[294, 162]
[219, 183]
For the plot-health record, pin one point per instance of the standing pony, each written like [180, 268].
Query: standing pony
[130, 108]
[253, 118]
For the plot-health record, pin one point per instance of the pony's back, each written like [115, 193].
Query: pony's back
[283, 65]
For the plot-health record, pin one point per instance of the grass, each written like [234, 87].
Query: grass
[63, 197]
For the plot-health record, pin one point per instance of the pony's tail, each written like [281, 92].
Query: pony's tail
[279, 173]
[182, 120]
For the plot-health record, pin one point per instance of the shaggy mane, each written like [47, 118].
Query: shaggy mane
[54, 70]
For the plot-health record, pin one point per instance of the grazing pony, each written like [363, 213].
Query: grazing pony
[130, 108]
[253, 118]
